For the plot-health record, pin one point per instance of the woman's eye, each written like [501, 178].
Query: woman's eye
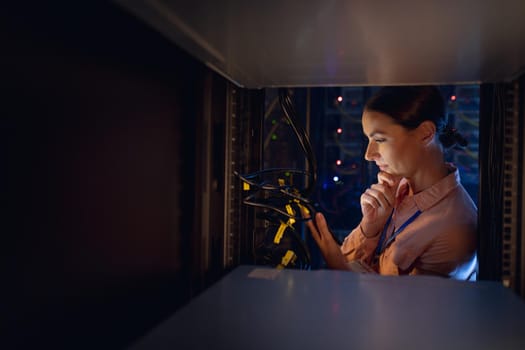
[379, 140]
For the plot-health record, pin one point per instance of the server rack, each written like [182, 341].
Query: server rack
[116, 281]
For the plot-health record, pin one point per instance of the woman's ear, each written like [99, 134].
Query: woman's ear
[426, 131]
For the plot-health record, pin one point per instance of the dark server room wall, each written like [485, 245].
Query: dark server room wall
[97, 175]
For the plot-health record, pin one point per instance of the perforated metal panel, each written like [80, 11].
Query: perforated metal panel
[244, 109]
[511, 203]
[231, 202]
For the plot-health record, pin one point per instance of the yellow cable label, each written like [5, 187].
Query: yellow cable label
[287, 257]
[290, 211]
[281, 182]
[304, 209]
[279, 234]
[282, 228]
[245, 186]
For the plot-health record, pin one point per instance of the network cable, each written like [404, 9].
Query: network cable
[283, 203]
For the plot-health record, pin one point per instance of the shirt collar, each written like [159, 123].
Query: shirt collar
[431, 196]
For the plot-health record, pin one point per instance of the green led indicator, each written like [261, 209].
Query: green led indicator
[274, 137]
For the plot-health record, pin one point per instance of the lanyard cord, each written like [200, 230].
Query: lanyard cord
[380, 248]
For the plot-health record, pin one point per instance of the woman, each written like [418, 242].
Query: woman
[417, 218]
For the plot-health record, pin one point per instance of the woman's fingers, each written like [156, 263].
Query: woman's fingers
[322, 226]
[386, 194]
[370, 200]
[313, 230]
[377, 194]
[385, 178]
[319, 230]
[378, 200]
[326, 243]
[388, 179]
[310, 224]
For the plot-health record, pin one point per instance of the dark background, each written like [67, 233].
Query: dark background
[98, 138]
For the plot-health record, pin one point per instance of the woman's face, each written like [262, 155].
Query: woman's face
[393, 148]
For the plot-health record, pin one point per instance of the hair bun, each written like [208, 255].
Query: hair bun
[450, 137]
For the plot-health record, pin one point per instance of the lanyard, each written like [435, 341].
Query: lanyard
[379, 248]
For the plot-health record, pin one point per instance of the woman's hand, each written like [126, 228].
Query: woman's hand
[377, 203]
[329, 248]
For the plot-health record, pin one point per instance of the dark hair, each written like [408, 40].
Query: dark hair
[409, 106]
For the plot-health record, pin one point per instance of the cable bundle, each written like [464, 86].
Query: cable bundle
[282, 202]
[302, 137]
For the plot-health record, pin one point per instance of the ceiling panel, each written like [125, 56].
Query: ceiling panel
[345, 42]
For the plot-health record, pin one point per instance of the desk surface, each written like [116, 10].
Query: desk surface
[259, 308]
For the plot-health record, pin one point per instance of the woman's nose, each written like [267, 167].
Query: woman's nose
[371, 152]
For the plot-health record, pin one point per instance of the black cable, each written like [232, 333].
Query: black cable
[281, 202]
[273, 170]
[302, 137]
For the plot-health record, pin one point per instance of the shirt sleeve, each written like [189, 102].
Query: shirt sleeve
[357, 246]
